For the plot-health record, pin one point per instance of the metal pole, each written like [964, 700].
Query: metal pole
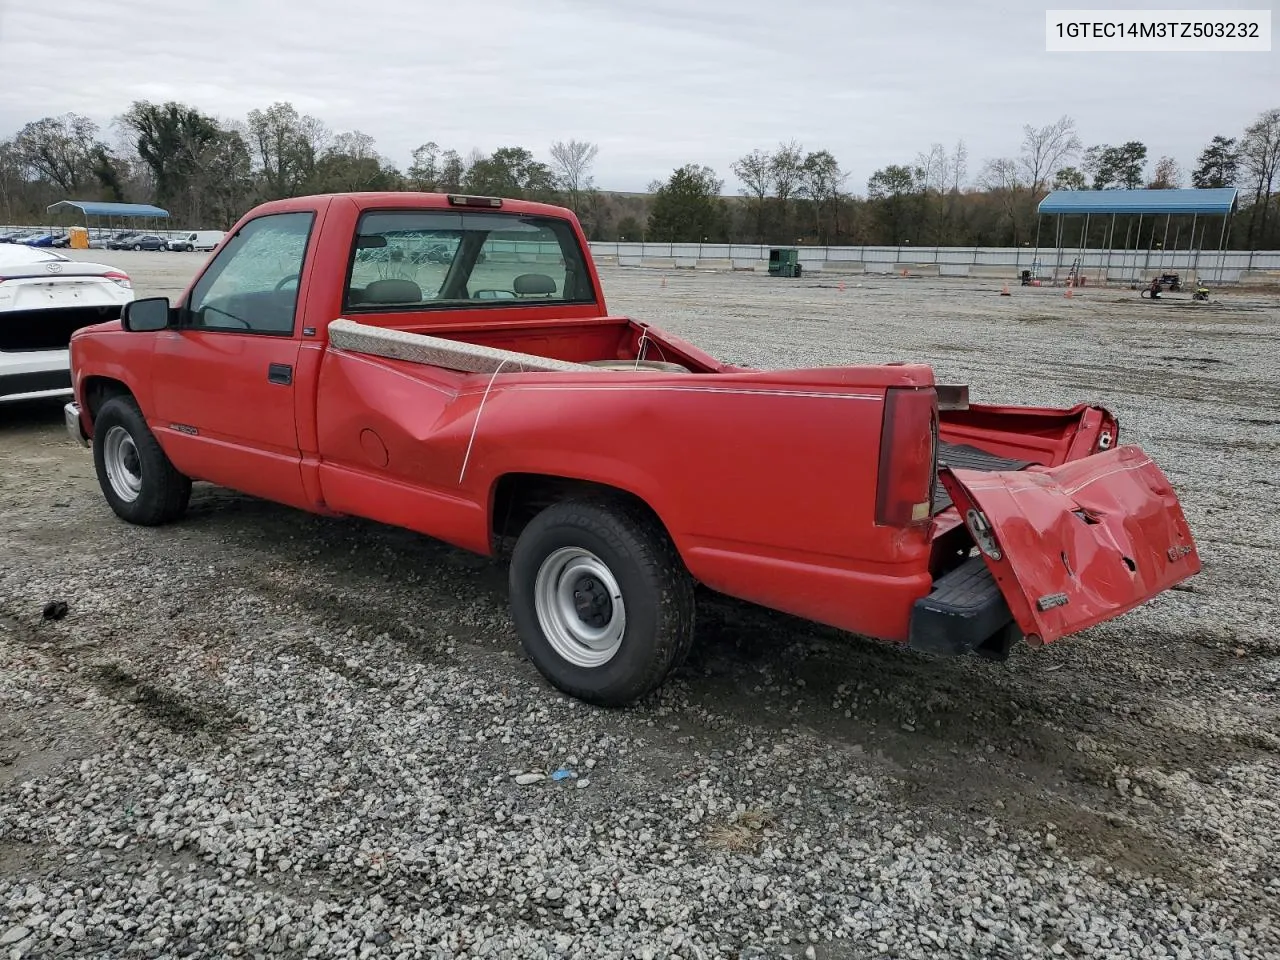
[1222, 253]
[1057, 243]
[1111, 239]
[1036, 256]
[1084, 245]
[1193, 254]
[1146, 263]
[1124, 257]
[1137, 242]
[1164, 241]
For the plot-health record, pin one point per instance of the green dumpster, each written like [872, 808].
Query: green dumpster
[784, 262]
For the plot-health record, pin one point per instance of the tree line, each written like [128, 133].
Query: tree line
[207, 171]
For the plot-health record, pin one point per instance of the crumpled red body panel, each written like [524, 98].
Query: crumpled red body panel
[1080, 543]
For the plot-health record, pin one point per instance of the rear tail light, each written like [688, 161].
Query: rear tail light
[908, 457]
[121, 278]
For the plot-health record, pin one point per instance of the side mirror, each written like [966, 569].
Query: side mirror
[151, 313]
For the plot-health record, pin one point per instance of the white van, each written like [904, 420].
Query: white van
[196, 240]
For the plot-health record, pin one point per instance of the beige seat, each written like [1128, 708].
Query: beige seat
[392, 290]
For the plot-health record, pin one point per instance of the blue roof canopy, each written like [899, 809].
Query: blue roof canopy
[95, 208]
[1219, 202]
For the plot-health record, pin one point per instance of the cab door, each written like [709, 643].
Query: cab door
[223, 379]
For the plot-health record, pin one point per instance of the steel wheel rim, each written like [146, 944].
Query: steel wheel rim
[123, 465]
[579, 607]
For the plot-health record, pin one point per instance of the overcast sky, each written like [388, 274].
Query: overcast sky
[656, 83]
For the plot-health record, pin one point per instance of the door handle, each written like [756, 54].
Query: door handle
[280, 373]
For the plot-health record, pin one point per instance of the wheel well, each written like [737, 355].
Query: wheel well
[519, 497]
[98, 390]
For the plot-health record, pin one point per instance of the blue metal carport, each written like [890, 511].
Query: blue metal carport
[1087, 203]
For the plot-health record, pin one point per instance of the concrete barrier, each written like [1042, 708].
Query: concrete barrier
[686, 263]
[715, 263]
[953, 269]
[878, 267]
[624, 261]
[749, 264]
[843, 266]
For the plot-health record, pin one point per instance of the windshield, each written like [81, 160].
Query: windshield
[419, 260]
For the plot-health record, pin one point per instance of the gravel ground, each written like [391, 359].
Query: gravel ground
[258, 732]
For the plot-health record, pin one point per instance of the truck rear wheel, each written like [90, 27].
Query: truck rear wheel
[136, 476]
[601, 600]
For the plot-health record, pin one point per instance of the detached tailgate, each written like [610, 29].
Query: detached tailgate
[1074, 545]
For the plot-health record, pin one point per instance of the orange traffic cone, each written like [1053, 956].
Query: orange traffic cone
[1068, 294]
[664, 281]
[841, 284]
[1004, 291]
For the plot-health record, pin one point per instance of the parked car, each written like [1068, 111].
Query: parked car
[505, 409]
[17, 236]
[44, 238]
[44, 298]
[138, 241]
[120, 240]
[201, 240]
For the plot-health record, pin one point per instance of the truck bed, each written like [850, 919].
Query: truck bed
[966, 457]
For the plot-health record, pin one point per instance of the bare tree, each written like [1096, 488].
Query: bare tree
[59, 149]
[1167, 176]
[1004, 179]
[424, 172]
[957, 170]
[755, 170]
[931, 182]
[11, 180]
[286, 147]
[787, 168]
[959, 166]
[1045, 150]
[821, 180]
[571, 163]
[1260, 157]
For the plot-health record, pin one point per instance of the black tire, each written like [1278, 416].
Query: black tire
[137, 246]
[655, 588]
[164, 492]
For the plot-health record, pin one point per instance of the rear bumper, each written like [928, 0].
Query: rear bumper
[28, 376]
[964, 613]
[75, 426]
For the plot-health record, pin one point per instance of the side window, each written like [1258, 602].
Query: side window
[252, 285]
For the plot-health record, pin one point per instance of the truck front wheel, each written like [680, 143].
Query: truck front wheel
[601, 600]
[137, 478]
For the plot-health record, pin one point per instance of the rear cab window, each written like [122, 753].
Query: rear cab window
[431, 260]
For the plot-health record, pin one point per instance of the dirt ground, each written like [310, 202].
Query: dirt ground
[1130, 774]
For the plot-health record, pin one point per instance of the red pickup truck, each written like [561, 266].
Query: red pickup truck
[447, 364]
